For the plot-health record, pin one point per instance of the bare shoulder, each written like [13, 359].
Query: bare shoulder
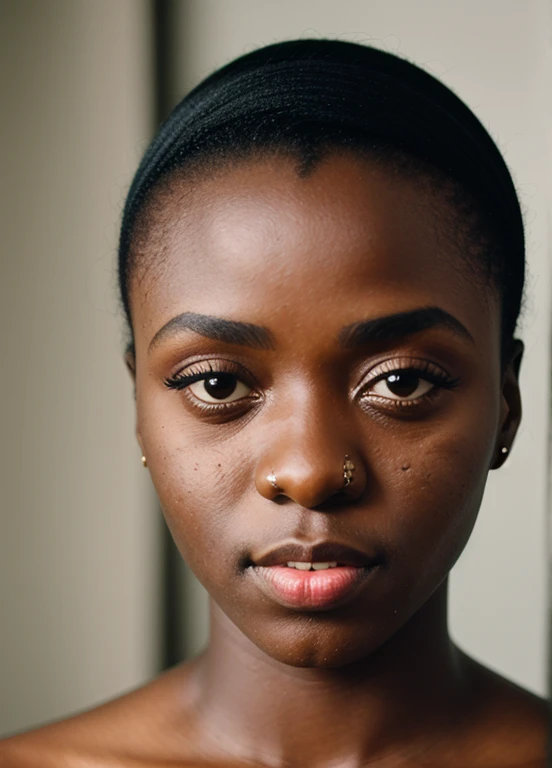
[512, 723]
[117, 734]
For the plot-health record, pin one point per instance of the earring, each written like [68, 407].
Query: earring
[348, 469]
[504, 450]
[144, 461]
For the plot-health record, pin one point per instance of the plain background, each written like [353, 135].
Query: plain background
[81, 551]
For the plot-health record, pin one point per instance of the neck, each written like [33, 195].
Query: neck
[266, 710]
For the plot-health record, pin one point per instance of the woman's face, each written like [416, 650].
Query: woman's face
[371, 338]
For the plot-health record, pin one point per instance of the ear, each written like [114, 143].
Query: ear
[511, 404]
[130, 362]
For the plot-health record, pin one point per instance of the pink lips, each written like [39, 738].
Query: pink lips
[311, 589]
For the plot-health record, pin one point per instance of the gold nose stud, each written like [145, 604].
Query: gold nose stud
[348, 470]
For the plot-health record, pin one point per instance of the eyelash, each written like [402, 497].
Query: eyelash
[423, 369]
[181, 381]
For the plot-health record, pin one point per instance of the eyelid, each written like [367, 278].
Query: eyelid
[426, 369]
[205, 366]
[199, 370]
[423, 365]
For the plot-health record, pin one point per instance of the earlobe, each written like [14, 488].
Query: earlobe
[511, 401]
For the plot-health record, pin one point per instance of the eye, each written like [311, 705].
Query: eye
[214, 383]
[402, 382]
[402, 385]
[219, 387]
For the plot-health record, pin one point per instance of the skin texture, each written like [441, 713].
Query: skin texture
[375, 679]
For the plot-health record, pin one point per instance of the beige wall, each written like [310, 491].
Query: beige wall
[78, 576]
[497, 56]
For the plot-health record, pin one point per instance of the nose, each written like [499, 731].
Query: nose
[311, 464]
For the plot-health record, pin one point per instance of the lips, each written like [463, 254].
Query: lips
[313, 589]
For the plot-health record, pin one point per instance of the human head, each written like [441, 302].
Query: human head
[282, 142]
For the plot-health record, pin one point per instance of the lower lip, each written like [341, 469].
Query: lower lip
[312, 589]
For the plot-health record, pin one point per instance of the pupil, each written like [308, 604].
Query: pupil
[221, 386]
[403, 384]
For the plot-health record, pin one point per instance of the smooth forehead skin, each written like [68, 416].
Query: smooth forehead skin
[305, 254]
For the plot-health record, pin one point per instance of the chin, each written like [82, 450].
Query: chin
[318, 643]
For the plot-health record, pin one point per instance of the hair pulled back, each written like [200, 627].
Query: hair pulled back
[307, 95]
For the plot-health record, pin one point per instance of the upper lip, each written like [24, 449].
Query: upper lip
[320, 552]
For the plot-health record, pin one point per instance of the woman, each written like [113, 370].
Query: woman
[321, 263]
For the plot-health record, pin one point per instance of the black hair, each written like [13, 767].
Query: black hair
[309, 96]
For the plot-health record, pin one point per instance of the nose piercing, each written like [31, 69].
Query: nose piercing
[348, 469]
[272, 480]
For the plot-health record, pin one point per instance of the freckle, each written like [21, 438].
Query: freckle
[218, 465]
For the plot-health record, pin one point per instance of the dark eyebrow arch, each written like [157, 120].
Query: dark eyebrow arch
[229, 331]
[400, 325]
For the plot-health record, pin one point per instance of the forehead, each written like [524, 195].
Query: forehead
[261, 243]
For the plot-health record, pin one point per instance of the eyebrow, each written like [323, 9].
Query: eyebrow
[401, 325]
[379, 329]
[228, 331]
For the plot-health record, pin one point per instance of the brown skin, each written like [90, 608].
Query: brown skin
[376, 680]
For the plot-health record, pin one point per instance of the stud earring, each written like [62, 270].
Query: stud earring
[504, 450]
[144, 461]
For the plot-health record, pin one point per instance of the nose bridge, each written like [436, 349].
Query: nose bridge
[311, 437]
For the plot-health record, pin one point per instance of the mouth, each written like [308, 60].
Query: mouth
[313, 577]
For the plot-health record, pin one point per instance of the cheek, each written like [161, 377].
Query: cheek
[196, 493]
[199, 482]
[434, 502]
[436, 480]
